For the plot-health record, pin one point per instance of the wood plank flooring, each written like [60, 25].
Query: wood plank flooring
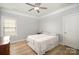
[21, 48]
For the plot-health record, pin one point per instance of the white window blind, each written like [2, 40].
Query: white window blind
[9, 27]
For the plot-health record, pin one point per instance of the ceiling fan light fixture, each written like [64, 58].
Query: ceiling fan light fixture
[36, 8]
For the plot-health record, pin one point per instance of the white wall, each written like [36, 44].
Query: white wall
[72, 16]
[25, 25]
[51, 24]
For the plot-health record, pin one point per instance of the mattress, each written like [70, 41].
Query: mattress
[41, 43]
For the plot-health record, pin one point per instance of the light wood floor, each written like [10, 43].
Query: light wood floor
[21, 48]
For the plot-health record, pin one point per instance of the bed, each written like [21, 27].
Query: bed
[41, 43]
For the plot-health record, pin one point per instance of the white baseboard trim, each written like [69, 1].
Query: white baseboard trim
[17, 41]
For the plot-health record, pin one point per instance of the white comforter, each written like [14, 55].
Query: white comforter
[41, 43]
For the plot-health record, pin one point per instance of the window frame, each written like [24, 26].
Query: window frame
[3, 27]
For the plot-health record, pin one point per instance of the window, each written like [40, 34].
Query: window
[9, 27]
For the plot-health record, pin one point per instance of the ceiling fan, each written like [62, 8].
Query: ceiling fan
[36, 7]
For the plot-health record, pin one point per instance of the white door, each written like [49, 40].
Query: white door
[70, 32]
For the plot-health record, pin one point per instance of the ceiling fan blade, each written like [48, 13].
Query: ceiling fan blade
[30, 4]
[31, 9]
[42, 7]
[38, 11]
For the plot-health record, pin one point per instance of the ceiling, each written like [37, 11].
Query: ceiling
[23, 8]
